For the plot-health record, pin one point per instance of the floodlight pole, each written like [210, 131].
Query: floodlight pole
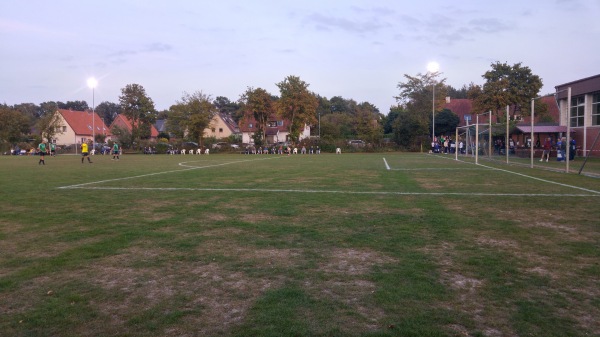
[568, 145]
[506, 146]
[456, 145]
[532, 118]
[319, 127]
[92, 82]
[433, 68]
[476, 139]
[433, 114]
[490, 134]
[93, 120]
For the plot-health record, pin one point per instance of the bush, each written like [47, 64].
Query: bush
[162, 147]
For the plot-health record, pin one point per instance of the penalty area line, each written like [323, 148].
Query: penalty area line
[188, 168]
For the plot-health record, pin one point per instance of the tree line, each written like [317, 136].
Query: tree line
[408, 124]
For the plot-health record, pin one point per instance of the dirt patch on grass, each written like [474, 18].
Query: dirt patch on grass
[467, 294]
[345, 281]
[218, 298]
[352, 261]
[255, 218]
[261, 258]
[497, 243]
[224, 232]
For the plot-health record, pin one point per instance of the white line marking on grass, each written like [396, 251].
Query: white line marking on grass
[332, 191]
[386, 164]
[530, 177]
[189, 168]
[543, 180]
[440, 169]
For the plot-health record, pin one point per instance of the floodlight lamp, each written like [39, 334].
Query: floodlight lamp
[433, 67]
[92, 83]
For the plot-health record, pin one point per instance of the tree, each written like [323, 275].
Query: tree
[367, 123]
[416, 95]
[407, 128]
[195, 112]
[14, 125]
[138, 107]
[458, 93]
[336, 126]
[49, 125]
[506, 85]
[123, 135]
[48, 108]
[74, 105]
[30, 110]
[224, 105]
[108, 111]
[259, 104]
[297, 105]
[388, 121]
[446, 122]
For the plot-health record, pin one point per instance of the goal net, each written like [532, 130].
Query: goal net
[475, 139]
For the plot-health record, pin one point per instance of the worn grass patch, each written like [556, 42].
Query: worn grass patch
[233, 245]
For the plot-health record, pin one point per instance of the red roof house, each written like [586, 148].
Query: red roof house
[125, 123]
[76, 127]
[277, 130]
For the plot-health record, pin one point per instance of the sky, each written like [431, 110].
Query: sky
[357, 49]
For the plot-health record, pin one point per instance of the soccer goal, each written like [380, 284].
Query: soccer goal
[475, 140]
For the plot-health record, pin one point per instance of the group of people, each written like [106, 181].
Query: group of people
[445, 144]
[282, 150]
[561, 149]
[43, 149]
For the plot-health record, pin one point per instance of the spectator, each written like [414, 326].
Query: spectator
[547, 148]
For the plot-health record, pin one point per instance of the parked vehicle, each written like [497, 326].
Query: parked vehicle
[220, 145]
[357, 143]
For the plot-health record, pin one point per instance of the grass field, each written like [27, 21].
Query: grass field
[315, 245]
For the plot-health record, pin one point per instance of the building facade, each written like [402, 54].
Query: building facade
[582, 113]
[76, 127]
[221, 126]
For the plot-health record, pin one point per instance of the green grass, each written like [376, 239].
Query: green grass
[313, 245]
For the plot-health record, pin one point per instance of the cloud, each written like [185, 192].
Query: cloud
[16, 27]
[331, 23]
[488, 25]
[156, 47]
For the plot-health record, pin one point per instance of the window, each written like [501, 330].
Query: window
[577, 110]
[279, 123]
[250, 125]
[220, 130]
[596, 108]
[272, 124]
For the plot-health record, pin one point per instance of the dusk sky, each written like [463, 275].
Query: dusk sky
[356, 49]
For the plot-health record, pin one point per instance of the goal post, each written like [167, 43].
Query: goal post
[475, 138]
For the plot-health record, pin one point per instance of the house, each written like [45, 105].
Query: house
[277, 130]
[583, 119]
[462, 108]
[161, 126]
[221, 126]
[125, 123]
[76, 127]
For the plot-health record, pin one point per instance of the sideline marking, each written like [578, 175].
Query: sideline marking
[386, 164]
[189, 168]
[440, 169]
[333, 191]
